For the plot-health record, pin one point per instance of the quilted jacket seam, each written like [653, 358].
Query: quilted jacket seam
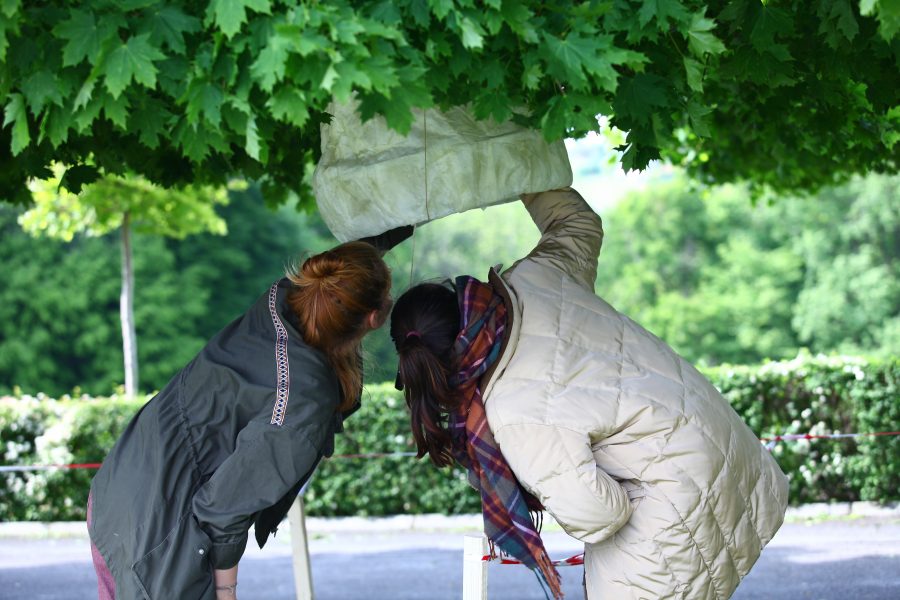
[619, 373]
[548, 425]
[715, 520]
[748, 511]
[712, 508]
[550, 406]
[705, 562]
[768, 486]
[666, 563]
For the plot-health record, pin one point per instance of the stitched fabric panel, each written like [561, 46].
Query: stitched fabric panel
[282, 367]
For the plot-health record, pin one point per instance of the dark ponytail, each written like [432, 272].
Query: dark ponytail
[424, 326]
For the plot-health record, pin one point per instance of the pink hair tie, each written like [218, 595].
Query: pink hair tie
[413, 333]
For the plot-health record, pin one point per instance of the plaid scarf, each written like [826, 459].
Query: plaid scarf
[505, 505]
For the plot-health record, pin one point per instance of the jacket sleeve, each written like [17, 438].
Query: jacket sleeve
[267, 462]
[557, 466]
[571, 233]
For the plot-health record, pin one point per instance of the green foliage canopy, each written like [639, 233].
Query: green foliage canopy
[790, 94]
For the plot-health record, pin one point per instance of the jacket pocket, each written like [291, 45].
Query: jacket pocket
[634, 490]
[633, 531]
[179, 566]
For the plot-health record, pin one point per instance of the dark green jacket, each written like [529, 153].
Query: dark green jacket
[227, 443]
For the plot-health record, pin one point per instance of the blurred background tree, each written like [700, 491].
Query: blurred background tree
[122, 204]
[724, 280]
[60, 300]
[719, 278]
[851, 249]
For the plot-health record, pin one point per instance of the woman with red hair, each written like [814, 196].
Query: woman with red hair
[236, 433]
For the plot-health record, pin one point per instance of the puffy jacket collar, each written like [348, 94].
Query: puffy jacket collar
[510, 337]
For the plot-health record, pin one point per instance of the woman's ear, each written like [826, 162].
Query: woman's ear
[376, 319]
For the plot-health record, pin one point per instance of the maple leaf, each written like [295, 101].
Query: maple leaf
[230, 15]
[42, 88]
[152, 121]
[663, 11]
[132, 60]
[85, 36]
[701, 40]
[15, 114]
[268, 68]
[694, 71]
[116, 110]
[639, 96]
[204, 97]
[167, 26]
[289, 105]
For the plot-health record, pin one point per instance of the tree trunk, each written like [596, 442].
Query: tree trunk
[126, 312]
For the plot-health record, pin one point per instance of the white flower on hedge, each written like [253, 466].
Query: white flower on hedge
[52, 447]
[806, 473]
[819, 429]
[15, 485]
[32, 484]
[838, 461]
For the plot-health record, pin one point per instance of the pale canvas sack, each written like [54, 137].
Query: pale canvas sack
[371, 179]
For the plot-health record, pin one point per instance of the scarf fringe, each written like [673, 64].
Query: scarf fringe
[537, 520]
[546, 573]
[550, 576]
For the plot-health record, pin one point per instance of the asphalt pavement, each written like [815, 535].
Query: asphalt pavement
[839, 558]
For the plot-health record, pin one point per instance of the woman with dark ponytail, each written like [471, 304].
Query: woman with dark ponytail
[554, 400]
[236, 433]
[424, 329]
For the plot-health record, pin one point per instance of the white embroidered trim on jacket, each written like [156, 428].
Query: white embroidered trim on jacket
[282, 368]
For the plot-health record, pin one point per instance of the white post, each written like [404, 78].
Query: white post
[474, 569]
[300, 551]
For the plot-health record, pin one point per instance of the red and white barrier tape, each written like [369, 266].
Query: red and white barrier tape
[790, 437]
[770, 441]
[793, 437]
[375, 455]
[13, 468]
[503, 559]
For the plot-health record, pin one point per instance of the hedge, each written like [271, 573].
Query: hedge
[808, 394]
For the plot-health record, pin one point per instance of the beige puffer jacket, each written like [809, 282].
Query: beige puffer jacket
[627, 445]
